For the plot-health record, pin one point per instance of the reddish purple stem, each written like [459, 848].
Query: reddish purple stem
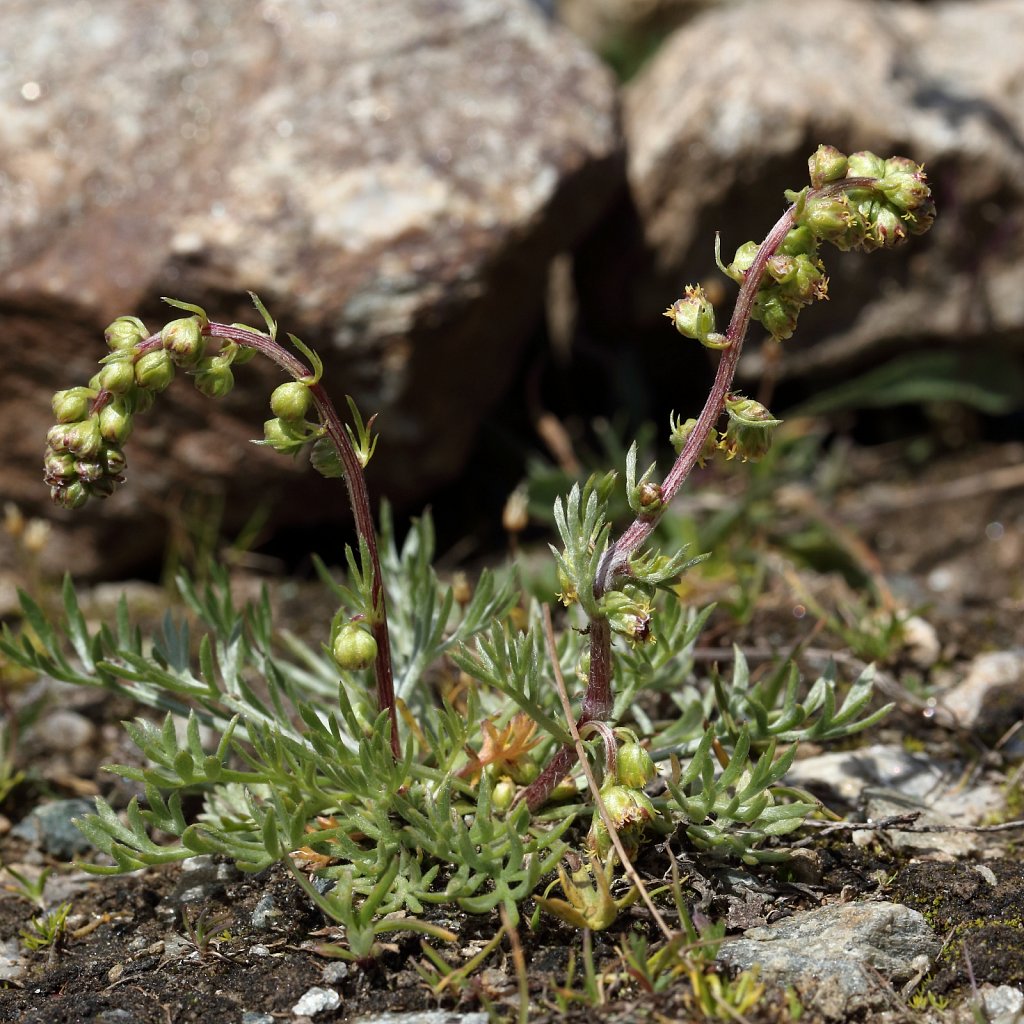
[598, 701]
[358, 496]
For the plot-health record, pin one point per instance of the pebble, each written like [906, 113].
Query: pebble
[253, 1017]
[50, 826]
[921, 642]
[1004, 1004]
[12, 966]
[64, 730]
[832, 955]
[991, 696]
[315, 1000]
[335, 972]
[926, 782]
[202, 877]
[263, 911]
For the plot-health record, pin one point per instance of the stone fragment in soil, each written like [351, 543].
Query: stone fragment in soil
[1003, 1004]
[316, 1000]
[202, 877]
[935, 785]
[841, 960]
[884, 803]
[12, 966]
[50, 827]
[990, 698]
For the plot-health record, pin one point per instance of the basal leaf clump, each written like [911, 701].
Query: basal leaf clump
[448, 780]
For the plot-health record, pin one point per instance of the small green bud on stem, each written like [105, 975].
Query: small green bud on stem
[694, 317]
[290, 402]
[354, 647]
[125, 333]
[183, 340]
[154, 371]
[213, 376]
[118, 376]
[73, 405]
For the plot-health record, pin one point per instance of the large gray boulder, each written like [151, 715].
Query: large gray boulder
[724, 117]
[393, 178]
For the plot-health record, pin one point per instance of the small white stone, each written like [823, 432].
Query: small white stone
[315, 1000]
[921, 642]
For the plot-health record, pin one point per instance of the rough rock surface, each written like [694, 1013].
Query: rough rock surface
[391, 178]
[842, 959]
[724, 118]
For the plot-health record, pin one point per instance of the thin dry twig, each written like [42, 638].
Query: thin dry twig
[581, 753]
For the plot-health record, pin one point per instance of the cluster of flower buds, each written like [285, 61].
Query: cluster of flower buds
[794, 277]
[859, 201]
[84, 454]
[623, 796]
[893, 203]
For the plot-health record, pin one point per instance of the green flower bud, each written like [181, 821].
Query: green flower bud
[777, 313]
[827, 164]
[648, 499]
[72, 405]
[73, 495]
[125, 332]
[567, 592]
[325, 458]
[634, 766]
[354, 647]
[115, 423]
[694, 317]
[831, 219]
[57, 438]
[681, 431]
[83, 439]
[118, 377]
[743, 261]
[90, 470]
[154, 371]
[628, 616]
[583, 667]
[184, 340]
[283, 437]
[503, 794]
[750, 431]
[138, 401]
[887, 228]
[114, 460]
[290, 401]
[865, 165]
[213, 377]
[800, 241]
[630, 810]
[58, 468]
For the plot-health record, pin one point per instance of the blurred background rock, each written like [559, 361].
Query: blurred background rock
[476, 211]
